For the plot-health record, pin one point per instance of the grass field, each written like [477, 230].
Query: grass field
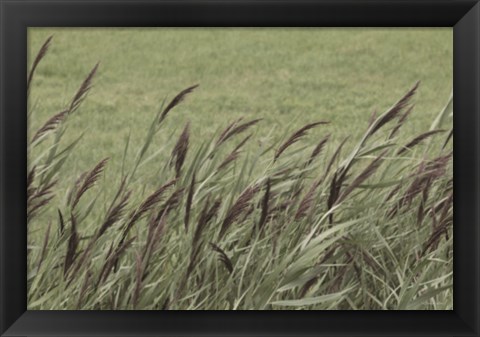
[288, 78]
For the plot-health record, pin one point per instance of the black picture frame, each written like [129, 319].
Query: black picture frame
[17, 15]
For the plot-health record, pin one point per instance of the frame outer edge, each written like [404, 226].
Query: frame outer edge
[467, 65]
[477, 187]
[12, 149]
[6, 320]
[2, 142]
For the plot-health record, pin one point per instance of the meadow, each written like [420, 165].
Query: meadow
[309, 169]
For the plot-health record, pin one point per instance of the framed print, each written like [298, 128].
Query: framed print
[239, 168]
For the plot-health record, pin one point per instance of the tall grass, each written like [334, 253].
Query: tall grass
[234, 224]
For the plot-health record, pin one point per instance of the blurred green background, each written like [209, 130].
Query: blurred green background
[288, 77]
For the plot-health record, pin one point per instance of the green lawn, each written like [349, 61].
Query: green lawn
[288, 77]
